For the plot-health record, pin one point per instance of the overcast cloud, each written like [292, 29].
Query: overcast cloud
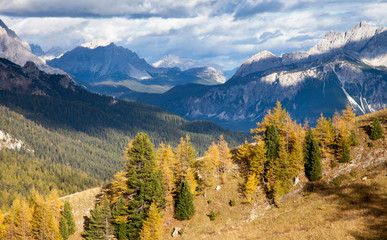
[224, 32]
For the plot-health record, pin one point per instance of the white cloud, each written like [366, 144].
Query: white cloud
[228, 31]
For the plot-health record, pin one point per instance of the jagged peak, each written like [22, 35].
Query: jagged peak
[96, 43]
[9, 31]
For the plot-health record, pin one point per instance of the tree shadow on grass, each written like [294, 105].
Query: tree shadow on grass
[361, 200]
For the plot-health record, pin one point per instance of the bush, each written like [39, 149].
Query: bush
[232, 202]
[370, 144]
[209, 201]
[212, 215]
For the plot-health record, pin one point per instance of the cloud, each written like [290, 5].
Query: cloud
[227, 32]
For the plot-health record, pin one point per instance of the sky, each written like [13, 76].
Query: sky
[225, 32]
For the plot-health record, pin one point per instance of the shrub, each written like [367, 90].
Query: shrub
[337, 181]
[212, 215]
[232, 202]
[370, 144]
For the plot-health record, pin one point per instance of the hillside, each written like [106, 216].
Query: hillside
[348, 203]
[74, 138]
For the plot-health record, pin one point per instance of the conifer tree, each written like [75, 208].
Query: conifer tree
[272, 144]
[95, 230]
[190, 178]
[144, 183]
[152, 228]
[376, 130]
[185, 155]
[324, 133]
[23, 217]
[345, 152]
[63, 228]
[224, 155]
[166, 163]
[107, 217]
[67, 214]
[118, 187]
[313, 167]
[184, 207]
[251, 186]
[2, 226]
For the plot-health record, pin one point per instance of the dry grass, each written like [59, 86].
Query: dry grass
[354, 210]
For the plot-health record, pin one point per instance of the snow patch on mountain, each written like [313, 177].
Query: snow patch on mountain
[259, 62]
[96, 43]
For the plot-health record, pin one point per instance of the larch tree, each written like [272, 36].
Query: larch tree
[145, 183]
[313, 167]
[166, 163]
[23, 227]
[225, 156]
[152, 226]
[118, 187]
[2, 226]
[324, 133]
[185, 154]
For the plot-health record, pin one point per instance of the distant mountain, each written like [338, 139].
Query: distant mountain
[48, 55]
[343, 68]
[103, 66]
[19, 51]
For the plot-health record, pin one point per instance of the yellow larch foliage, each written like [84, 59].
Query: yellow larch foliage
[251, 186]
[152, 227]
[190, 177]
[324, 133]
[166, 162]
[225, 156]
[277, 117]
[2, 226]
[185, 154]
[118, 187]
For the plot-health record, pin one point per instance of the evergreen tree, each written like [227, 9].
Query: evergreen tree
[376, 130]
[184, 207]
[63, 228]
[152, 228]
[144, 183]
[313, 167]
[107, 217]
[69, 217]
[345, 152]
[2, 226]
[96, 226]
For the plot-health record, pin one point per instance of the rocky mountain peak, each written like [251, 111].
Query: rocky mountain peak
[96, 43]
[259, 62]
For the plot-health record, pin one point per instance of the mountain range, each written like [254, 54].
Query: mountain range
[344, 68]
[110, 69]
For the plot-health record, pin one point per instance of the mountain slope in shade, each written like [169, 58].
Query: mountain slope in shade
[101, 66]
[323, 80]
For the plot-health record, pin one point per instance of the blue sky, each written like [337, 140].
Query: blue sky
[221, 32]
